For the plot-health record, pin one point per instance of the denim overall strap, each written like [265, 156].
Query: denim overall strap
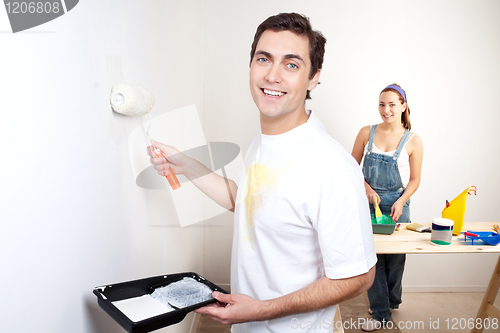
[380, 171]
[370, 141]
[401, 145]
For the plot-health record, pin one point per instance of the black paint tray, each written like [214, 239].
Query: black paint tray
[126, 290]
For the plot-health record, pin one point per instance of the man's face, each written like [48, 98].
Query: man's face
[279, 74]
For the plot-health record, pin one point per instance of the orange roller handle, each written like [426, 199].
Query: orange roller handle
[172, 179]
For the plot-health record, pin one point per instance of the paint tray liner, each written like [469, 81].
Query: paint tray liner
[385, 226]
[152, 303]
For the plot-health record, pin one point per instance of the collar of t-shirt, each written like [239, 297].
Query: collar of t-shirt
[296, 134]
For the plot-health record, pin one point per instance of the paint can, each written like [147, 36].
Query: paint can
[441, 231]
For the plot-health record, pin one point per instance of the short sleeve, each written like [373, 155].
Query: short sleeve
[343, 223]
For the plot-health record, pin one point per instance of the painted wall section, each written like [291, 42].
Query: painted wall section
[71, 215]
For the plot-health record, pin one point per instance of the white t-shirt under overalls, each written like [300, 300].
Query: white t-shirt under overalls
[403, 160]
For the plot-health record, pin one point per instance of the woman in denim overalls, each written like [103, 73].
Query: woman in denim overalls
[383, 182]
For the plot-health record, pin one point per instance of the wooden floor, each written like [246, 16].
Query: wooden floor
[355, 311]
[416, 307]
[204, 325]
[351, 311]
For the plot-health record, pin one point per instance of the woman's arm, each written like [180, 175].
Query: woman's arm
[416, 153]
[358, 152]
[360, 143]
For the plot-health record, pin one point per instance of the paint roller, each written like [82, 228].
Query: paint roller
[130, 100]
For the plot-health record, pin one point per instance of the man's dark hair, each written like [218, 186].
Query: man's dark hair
[299, 25]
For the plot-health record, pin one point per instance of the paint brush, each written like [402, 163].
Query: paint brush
[378, 213]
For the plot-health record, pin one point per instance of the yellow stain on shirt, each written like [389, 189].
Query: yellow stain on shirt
[259, 181]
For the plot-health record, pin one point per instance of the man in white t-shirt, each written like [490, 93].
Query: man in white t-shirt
[302, 238]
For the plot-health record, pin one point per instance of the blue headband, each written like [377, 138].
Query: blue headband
[398, 89]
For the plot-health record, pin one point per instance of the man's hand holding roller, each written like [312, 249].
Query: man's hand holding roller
[221, 190]
[172, 159]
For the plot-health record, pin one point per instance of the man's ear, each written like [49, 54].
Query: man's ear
[313, 83]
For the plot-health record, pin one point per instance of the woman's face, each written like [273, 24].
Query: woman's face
[390, 107]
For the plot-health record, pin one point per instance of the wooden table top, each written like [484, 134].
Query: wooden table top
[407, 241]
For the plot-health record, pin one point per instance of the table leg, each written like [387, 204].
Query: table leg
[487, 309]
[337, 322]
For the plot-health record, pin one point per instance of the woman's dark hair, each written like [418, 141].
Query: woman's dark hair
[299, 25]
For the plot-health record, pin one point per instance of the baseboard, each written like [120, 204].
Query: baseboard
[418, 288]
[197, 318]
[225, 286]
[444, 289]
[195, 323]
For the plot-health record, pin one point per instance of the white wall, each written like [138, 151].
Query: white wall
[71, 216]
[443, 53]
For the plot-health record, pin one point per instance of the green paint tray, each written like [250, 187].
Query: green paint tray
[385, 226]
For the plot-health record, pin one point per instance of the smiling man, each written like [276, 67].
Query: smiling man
[280, 80]
[302, 238]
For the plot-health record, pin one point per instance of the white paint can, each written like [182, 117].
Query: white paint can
[441, 231]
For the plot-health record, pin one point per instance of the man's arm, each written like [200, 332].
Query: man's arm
[221, 190]
[323, 293]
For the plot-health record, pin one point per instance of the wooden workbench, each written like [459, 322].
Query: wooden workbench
[407, 241]
[411, 242]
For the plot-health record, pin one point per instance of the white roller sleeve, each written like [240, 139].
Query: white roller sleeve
[131, 100]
